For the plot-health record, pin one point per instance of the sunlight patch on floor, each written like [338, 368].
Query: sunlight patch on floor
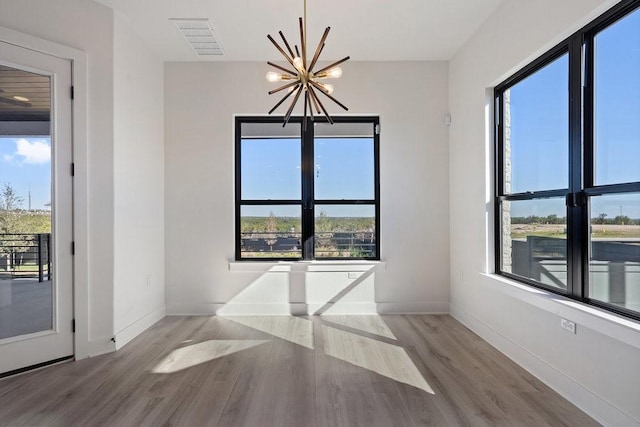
[384, 359]
[372, 324]
[290, 328]
[202, 352]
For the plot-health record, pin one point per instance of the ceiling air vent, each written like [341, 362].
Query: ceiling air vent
[199, 34]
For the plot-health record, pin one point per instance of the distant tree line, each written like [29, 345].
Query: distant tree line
[617, 220]
[533, 219]
[324, 223]
[555, 219]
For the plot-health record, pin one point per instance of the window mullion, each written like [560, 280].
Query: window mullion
[308, 252]
[499, 179]
[588, 156]
[376, 161]
[575, 212]
[238, 186]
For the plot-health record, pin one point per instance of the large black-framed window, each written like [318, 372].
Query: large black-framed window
[567, 131]
[307, 192]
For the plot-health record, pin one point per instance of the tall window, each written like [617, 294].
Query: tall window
[307, 193]
[568, 166]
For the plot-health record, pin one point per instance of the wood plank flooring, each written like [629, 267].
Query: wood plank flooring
[413, 370]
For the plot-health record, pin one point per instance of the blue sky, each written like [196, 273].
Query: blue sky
[25, 163]
[539, 125]
[343, 169]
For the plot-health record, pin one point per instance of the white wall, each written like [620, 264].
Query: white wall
[138, 154]
[88, 27]
[200, 102]
[598, 368]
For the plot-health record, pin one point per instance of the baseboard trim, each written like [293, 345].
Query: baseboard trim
[195, 309]
[413, 307]
[100, 346]
[589, 402]
[128, 333]
[298, 309]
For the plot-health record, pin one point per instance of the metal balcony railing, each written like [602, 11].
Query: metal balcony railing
[25, 256]
[339, 244]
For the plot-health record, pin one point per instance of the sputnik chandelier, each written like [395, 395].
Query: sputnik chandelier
[303, 79]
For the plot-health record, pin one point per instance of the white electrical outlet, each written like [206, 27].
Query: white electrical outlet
[568, 325]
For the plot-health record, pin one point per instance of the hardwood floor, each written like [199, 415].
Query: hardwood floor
[413, 370]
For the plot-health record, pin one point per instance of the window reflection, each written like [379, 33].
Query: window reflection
[614, 249]
[534, 243]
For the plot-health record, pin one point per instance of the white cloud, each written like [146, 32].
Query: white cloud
[34, 152]
[7, 158]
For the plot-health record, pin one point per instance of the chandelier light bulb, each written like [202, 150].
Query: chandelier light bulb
[297, 62]
[334, 73]
[329, 88]
[273, 77]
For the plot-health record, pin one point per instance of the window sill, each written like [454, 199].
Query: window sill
[306, 266]
[584, 315]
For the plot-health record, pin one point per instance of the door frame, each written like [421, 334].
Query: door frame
[80, 198]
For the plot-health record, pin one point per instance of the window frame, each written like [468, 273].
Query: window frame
[307, 202]
[580, 49]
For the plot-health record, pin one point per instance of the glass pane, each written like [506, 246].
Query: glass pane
[614, 269]
[270, 162]
[617, 102]
[25, 204]
[270, 231]
[344, 130]
[536, 130]
[345, 231]
[344, 169]
[534, 240]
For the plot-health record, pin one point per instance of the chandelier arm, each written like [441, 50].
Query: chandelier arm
[319, 86]
[283, 87]
[319, 48]
[294, 74]
[323, 91]
[280, 102]
[333, 65]
[308, 99]
[313, 98]
[286, 43]
[313, 63]
[297, 51]
[281, 51]
[303, 44]
[293, 104]
[304, 116]
[324, 110]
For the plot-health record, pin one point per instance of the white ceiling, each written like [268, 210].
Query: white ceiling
[367, 30]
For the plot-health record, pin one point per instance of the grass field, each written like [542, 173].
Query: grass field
[598, 231]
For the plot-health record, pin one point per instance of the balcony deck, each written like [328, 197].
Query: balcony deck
[25, 306]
